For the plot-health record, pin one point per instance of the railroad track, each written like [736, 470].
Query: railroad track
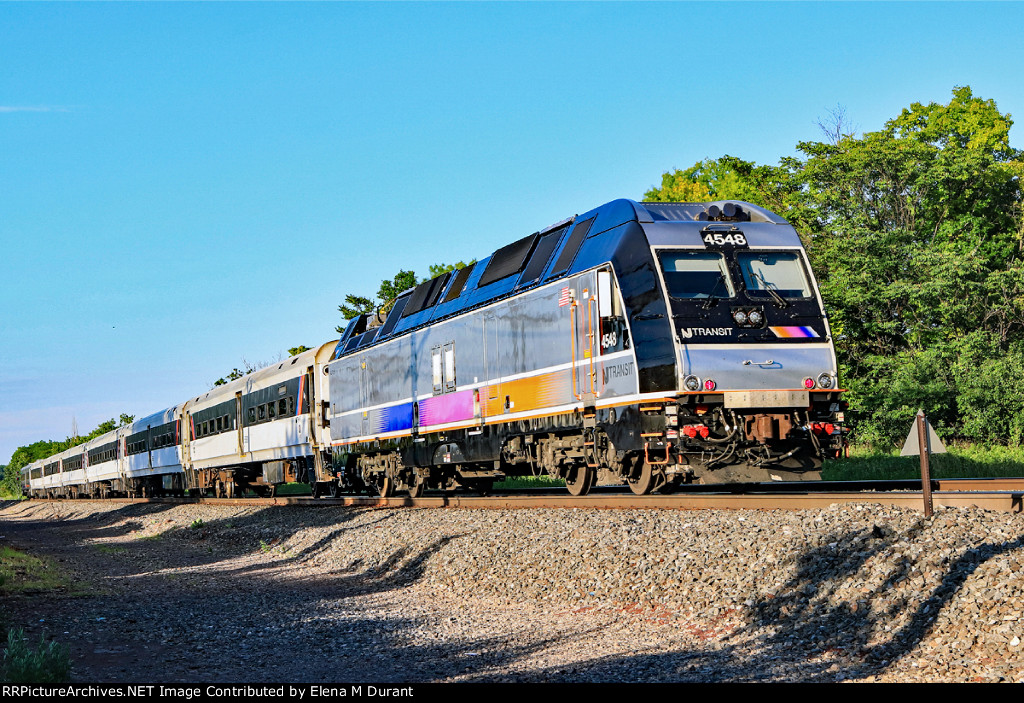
[1000, 494]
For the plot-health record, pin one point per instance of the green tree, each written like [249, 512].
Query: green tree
[25, 455]
[915, 231]
[249, 366]
[731, 178]
[389, 290]
[356, 305]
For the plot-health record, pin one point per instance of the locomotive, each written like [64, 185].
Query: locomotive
[651, 344]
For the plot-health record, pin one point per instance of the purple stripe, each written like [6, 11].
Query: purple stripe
[450, 407]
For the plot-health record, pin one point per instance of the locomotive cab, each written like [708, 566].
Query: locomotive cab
[755, 365]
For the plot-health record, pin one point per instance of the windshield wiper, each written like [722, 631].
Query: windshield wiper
[772, 290]
[711, 300]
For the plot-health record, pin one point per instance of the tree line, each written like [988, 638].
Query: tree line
[25, 455]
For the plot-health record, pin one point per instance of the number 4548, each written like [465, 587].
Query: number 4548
[734, 238]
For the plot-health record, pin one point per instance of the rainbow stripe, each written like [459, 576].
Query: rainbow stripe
[793, 332]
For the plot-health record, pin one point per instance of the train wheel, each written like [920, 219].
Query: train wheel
[580, 480]
[385, 487]
[333, 489]
[314, 489]
[644, 482]
[417, 484]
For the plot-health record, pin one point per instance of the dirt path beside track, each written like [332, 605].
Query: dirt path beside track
[221, 594]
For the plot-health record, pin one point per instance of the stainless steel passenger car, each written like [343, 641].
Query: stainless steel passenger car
[151, 456]
[649, 344]
[261, 430]
[256, 432]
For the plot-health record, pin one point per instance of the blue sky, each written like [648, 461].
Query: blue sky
[184, 186]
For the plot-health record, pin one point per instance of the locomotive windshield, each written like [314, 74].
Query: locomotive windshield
[778, 272]
[696, 274]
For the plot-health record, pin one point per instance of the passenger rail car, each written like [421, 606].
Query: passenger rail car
[253, 433]
[648, 344]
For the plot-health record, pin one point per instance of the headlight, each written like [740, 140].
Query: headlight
[740, 317]
[691, 383]
[825, 380]
[755, 317]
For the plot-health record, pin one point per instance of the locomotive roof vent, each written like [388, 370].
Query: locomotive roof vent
[729, 212]
[716, 211]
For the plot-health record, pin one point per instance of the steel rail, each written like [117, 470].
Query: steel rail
[998, 499]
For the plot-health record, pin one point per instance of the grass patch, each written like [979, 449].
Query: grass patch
[543, 481]
[151, 538]
[960, 461]
[293, 489]
[198, 524]
[21, 572]
[50, 662]
[109, 549]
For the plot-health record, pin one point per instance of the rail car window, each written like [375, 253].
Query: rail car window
[696, 274]
[106, 452]
[449, 367]
[781, 272]
[435, 370]
[252, 415]
[282, 407]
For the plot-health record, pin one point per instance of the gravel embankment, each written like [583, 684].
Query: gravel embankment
[328, 594]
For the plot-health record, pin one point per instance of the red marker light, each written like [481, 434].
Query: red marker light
[709, 385]
[808, 383]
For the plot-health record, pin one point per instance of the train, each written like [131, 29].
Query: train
[640, 343]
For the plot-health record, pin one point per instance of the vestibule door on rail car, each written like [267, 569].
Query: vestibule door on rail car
[493, 402]
[583, 339]
[239, 429]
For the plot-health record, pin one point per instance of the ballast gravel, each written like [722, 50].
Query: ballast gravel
[203, 593]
